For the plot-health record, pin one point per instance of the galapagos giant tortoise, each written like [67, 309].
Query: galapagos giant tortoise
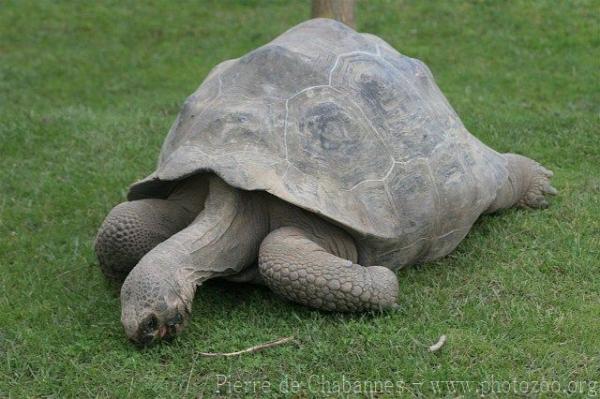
[327, 156]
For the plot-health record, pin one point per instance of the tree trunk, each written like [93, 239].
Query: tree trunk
[342, 10]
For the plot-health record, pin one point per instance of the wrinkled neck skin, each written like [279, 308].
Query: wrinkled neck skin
[226, 235]
[222, 240]
[191, 194]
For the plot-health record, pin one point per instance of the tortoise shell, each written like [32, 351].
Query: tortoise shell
[341, 124]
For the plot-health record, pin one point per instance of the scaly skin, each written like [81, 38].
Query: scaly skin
[133, 228]
[527, 185]
[294, 266]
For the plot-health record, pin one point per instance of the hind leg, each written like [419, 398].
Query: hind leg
[528, 185]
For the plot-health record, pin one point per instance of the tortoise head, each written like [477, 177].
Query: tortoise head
[155, 306]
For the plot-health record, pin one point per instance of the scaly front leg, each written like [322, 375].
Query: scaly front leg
[296, 266]
[133, 228]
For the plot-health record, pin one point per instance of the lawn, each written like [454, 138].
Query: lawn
[88, 91]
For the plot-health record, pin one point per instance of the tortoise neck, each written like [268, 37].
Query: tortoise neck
[225, 236]
[191, 194]
[222, 240]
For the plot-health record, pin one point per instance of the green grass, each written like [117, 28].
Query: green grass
[88, 91]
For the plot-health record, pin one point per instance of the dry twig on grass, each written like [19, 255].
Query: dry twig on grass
[253, 349]
[438, 345]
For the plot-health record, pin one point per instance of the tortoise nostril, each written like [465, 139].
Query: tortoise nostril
[177, 319]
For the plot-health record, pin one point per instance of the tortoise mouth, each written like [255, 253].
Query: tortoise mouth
[168, 332]
[151, 331]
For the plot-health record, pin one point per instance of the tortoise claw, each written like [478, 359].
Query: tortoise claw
[539, 187]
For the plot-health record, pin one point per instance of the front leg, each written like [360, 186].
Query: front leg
[133, 228]
[296, 267]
